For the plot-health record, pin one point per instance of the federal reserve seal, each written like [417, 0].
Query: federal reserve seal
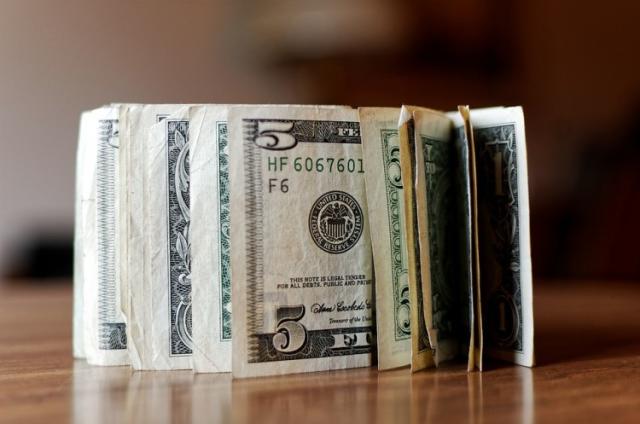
[335, 222]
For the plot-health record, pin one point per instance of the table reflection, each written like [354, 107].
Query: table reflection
[118, 394]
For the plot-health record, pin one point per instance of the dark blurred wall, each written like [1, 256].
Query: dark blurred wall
[572, 65]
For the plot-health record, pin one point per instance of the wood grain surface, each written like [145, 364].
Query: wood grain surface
[587, 348]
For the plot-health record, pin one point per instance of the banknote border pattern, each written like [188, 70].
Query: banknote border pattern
[253, 245]
[224, 254]
[507, 132]
[111, 335]
[394, 199]
[178, 238]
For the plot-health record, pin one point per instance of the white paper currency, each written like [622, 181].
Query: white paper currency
[421, 349]
[167, 257]
[137, 121]
[122, 219]
[133, 134]
[82, 195]
[503, 225]
[379, 127]
[435, 193]
[105, 338]
[301, 263]
[210, 242]
[466, 226]
[154, 194]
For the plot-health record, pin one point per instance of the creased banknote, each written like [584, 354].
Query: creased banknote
[105, 338]
[434, 215]
[210, 238]
[381, 150]
[444, 234]
[191, 212]
[167, 248]
[503, 226]
[421, 349]
[123, 236]
[476, 348]
[465, 240]
[301, 264]
[136, 122]
[83, 197]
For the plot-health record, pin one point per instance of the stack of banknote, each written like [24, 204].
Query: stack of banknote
[274, 239]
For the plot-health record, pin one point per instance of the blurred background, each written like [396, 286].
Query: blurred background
[573, 66]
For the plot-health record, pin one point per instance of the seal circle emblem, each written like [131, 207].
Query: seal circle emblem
[335, 222]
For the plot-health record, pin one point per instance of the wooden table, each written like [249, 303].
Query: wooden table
[587, 346]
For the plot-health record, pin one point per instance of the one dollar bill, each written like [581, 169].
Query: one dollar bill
[211, 243]
[503, 227]
[383, 177]
[468, 214]
[105, 335]
[443, 215]
[168, 343]
[141, 129]
[422, 350]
